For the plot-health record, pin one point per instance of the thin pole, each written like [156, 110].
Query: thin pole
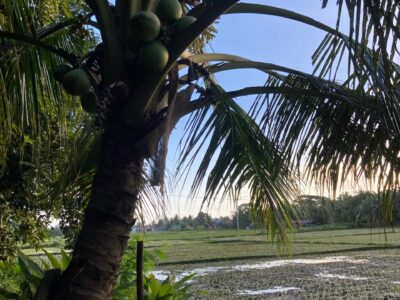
[179, 213]
[139, 270]
[237, 217]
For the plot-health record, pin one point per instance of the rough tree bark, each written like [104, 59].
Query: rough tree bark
[108, 219]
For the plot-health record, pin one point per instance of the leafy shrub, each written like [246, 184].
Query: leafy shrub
[20, 280]
[167, 289]
[25, 275]
[154, 289]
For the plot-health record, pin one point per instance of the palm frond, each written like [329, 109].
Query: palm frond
[330, 124]
[250, 8]
[339, 134]
[372, 24]
[238, 156]
[31, 101]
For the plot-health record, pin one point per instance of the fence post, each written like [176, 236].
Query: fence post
[139, 270]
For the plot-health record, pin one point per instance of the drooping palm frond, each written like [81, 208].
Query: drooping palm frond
[37, 119]
[370, 45]
[276, 122]
[342, 133]
[370, 90]
[30, 99]
[371, 73]
[371, 48]
[373, 24]
[238, 156]
[330, 129]
[371, 51]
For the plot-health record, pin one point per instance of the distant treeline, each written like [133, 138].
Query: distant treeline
[361, 210]
[242, 218]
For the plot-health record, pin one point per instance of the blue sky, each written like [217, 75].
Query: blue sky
[259, 38]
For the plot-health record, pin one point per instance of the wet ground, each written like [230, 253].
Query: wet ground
[371, 274]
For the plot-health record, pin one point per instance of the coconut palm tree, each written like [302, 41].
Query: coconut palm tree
[338, 129]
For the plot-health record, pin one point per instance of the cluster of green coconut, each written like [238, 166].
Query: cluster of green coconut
[146, 26]
[77, 83]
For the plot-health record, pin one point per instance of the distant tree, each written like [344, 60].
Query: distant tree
[203, 220]
[348, 207]
[187, 223]
[317, 209]
[244, 215]
[225, 222]
[367, 211]
[397, 209]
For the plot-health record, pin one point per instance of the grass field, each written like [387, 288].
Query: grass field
[330, 264]
[336, 264]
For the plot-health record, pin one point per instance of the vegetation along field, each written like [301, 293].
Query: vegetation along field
[335, 264]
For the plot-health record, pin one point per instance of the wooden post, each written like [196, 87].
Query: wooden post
[139, 270]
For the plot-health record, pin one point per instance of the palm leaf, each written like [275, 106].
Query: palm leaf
[31, 101]
[298, 105]
[238, 156]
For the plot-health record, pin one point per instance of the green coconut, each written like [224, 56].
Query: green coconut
[76, 82]
[183, 23]
[154, 56]
[89, 102]
[60, 71]
[169, 11]
[145, 26]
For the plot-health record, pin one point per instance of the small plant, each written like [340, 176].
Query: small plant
[169, 289]
[22, 279]
[154, 289]
[25, 275]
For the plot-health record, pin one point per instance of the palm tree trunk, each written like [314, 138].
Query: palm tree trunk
[108, 219]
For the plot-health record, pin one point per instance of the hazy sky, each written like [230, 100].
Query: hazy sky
[259, 38]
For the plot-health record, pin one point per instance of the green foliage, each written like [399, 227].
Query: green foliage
[126, 287]
[154, 289]
[317, 209]
[37, 120]
[23, 277]
[203, 220]
[238, 147]
[362, 209]
[244, 215]
[169, 289]
[16, 227]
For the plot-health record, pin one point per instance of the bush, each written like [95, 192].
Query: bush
[20, 280]
[154, 289]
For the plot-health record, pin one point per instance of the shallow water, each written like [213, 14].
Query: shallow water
[338, 276]
[162, 275]
[275, 289]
